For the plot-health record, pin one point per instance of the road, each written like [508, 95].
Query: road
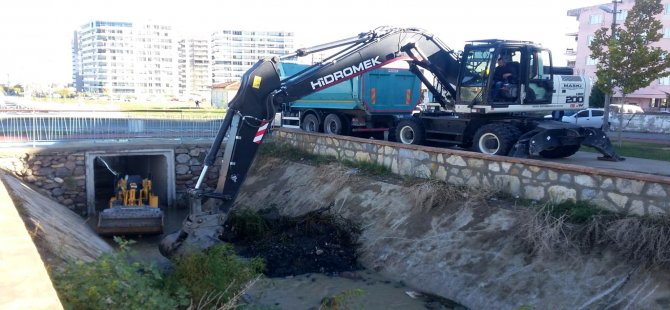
[588, 159]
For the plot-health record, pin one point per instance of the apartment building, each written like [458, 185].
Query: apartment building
[123, 59]
[235, 51]
[195, 70]
[592, 18]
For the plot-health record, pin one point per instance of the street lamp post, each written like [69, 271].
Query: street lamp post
[608, 98]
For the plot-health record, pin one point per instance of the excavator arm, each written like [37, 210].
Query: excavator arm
[261, 93]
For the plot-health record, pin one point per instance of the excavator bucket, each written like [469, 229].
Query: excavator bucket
[133, 210]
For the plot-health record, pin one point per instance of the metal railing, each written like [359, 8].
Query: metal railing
[31, 126]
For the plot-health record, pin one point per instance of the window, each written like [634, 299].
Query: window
[591, 61]
[667, 9]
[621, 16]
[595, 19]
[584, 113]
[477, 64]
[589, 39]
[664, 81]
[597, 113]
[666, 33]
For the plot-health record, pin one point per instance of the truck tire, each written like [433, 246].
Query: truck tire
[310, 123]
[560, 152]
[335, 125]
[410, 131]
[496, 139]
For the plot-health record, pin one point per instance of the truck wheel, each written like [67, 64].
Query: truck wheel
[496, 139]
[310, 123]
[410, 131]
[333, 124]
[560, 152]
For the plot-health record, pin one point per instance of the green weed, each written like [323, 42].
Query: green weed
[577, 212]
[114, 281]
[341, 301]
[248, 225]
[288, 152]
[215, 275]
[367, 167]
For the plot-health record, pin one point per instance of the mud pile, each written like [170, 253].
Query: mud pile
[316, 242]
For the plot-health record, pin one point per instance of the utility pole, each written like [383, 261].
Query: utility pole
[608, 98]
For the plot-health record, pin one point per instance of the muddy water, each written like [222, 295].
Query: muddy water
[362, 289]
[358, 290]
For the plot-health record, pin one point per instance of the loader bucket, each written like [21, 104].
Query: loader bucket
[130, 220]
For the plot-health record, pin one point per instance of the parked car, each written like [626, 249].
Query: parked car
[626, 108]
[590, 117]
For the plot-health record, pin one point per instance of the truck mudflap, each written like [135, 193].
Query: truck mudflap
[556, 142]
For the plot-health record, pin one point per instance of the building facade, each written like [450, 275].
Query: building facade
[143, 61]
[652, 98]
[195, 70]
[122, 59]
[235, 51]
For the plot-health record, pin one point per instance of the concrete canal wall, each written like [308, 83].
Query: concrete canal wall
[619, 191]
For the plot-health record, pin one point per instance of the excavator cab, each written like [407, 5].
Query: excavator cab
[501, 74]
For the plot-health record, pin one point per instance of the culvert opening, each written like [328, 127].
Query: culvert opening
[101, 179]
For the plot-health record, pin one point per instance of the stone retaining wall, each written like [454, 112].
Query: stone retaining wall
[60, 173]
[624, 192]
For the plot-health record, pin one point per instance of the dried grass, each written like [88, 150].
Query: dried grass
[641, 240]
[545, 234]
[638, 240]
[433, 193]
[214, 300]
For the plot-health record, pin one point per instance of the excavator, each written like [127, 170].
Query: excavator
[469, 114]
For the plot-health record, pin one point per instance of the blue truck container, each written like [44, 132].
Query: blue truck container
[373, 101]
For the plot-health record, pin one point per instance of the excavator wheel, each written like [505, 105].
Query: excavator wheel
[496, 138]
[560, 152]
[410, 131]
[335, 125]
[310, 123]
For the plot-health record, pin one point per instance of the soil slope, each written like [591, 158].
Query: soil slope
[458, 244]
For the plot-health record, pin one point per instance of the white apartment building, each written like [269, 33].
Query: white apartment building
[122, 59]
[235, 51]
[652, 98]
[195, 70]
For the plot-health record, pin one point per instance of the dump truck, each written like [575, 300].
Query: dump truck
[372, 102]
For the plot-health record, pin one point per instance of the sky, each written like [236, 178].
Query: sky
[36, 34]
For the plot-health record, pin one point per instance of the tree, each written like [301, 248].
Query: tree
[597, 98]
[627, 61]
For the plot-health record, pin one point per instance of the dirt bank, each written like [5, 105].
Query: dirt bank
[462, 245]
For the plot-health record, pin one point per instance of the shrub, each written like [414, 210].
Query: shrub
[114, 282]
[215, 276]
